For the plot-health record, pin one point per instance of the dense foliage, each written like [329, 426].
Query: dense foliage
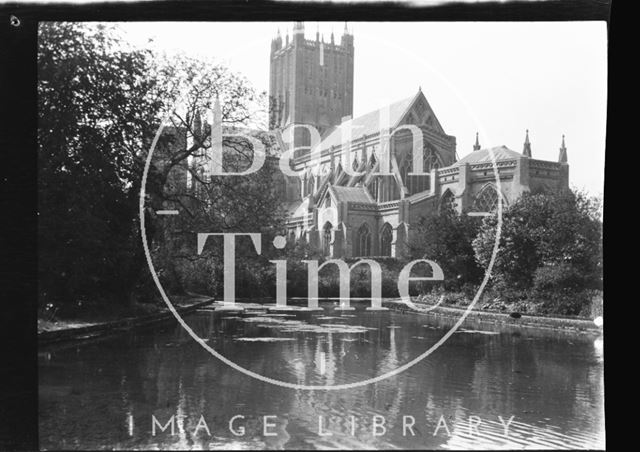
[550, 250]
[446, 239]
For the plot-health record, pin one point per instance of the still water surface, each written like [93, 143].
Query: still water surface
[548, 387]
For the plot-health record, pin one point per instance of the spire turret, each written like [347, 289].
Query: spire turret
[563, 158]
[476, 147]
[526, 151]
[298, 32]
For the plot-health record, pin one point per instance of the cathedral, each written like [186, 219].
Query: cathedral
[360, 197]
[349, 209]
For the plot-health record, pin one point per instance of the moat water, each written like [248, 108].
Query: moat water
[484, 388]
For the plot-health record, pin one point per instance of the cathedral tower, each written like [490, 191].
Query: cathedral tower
[311, 82]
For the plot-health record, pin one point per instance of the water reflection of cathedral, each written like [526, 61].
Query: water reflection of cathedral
[349, 215]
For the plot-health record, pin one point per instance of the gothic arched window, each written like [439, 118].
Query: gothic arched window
[363, 241]
[487, 199]
[431, 161]
[447, 203]
[304, 185]
[419, 183]
[405, 170]
[326, 239]
[310, 184]
[386, 237]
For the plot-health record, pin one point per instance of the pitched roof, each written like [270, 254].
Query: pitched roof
[369, 123]
[351, 194]
[483, 155]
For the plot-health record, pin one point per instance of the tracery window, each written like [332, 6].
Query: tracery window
[419, 183]
[487, 200]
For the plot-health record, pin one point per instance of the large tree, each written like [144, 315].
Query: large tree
[210, 204]
[95, 109]
[100, 104]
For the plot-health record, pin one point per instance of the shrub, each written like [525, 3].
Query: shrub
[564, 302]
[553, 277]
[446, 239]
[560, 289]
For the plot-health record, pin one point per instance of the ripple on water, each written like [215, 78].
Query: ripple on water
[488, 333]
[298, 326]
[555, 389]
[490, 434]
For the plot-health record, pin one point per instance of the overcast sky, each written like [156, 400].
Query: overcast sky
[498, 78]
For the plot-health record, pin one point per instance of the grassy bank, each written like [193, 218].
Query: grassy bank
[91, 315]
[585, 305]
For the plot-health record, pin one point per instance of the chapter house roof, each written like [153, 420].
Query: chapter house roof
[483, 155]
